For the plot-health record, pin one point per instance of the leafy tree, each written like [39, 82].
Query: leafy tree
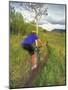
[17, 24]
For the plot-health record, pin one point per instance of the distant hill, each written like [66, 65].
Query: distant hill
[58, 30]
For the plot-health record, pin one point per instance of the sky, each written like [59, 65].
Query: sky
[54, 20]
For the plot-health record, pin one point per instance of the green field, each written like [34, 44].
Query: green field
[53, 73]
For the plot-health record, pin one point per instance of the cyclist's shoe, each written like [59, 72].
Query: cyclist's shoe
[34, 66]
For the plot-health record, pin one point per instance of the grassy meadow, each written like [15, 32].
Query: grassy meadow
[53, 72]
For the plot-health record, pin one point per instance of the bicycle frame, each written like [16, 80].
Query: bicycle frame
[40, 57]
[36, 51]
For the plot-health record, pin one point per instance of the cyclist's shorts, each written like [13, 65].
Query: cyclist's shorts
[29, 48]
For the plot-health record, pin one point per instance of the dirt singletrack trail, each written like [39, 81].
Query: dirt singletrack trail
[35, 72]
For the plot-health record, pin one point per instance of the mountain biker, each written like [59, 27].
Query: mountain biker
[28, 44]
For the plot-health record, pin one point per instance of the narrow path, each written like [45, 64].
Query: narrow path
[35, 72]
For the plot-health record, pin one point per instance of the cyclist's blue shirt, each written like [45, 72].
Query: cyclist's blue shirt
[30, 39]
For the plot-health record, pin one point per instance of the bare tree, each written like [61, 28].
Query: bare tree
[38, 10]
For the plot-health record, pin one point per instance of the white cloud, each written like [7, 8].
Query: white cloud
[55, 18]
[50, 27]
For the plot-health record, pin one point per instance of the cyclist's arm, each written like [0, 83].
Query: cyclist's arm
[40, 42]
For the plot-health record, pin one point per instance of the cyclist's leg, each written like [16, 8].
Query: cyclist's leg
[30, 49]
[33, 58]
[34, 61]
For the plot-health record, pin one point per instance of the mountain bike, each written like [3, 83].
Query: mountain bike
[41, 62]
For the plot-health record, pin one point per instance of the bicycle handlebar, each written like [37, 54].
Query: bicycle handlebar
[40, 46]
[37, 46]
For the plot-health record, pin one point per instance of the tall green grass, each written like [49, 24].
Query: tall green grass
[53, 72]
[19, 62]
